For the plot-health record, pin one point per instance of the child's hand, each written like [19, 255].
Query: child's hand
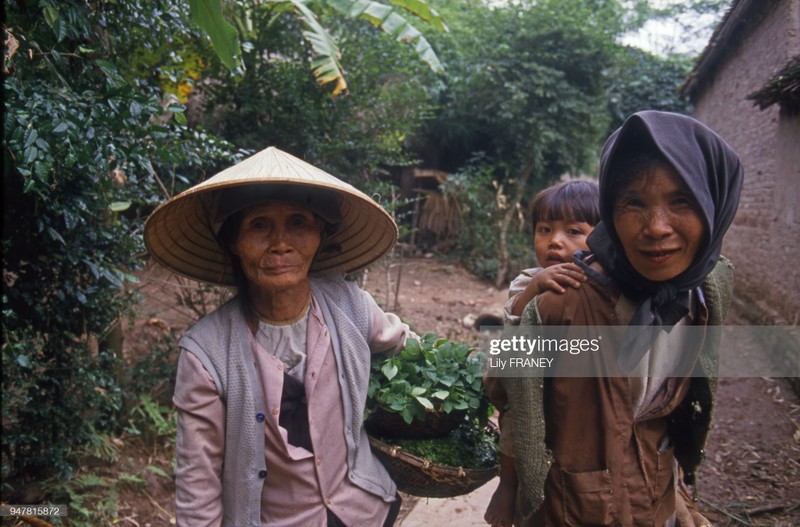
[557, 277]
[553, 278]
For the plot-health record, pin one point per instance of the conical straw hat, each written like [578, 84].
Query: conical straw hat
[181, 233]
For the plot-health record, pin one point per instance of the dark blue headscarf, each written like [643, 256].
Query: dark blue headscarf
[711, 171]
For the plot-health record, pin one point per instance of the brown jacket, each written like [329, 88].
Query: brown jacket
[594, 463]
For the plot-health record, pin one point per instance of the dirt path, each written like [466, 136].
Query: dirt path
[437, 296]
[751, 475]
[752, 470]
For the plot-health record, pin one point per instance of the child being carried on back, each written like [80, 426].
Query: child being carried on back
[562, 217]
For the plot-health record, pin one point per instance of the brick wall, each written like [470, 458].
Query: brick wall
[764, 241]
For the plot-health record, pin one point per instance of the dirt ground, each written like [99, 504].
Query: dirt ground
[752, 471]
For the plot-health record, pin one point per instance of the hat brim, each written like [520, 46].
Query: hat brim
[180, 234]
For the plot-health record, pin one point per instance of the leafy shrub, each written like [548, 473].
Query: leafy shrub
[429, 375]
[93, 499]
[482, 203]
[153, 421]
[90, 146]
[352, 137]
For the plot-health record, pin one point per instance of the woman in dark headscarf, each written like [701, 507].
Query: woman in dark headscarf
[618, 448]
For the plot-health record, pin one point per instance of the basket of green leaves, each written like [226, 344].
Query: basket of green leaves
[427, 417]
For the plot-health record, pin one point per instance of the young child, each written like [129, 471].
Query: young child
[562, 216]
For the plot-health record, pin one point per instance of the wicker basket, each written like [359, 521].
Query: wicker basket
[391, 424]
[419, 477]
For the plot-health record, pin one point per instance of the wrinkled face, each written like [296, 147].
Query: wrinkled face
[276, 245]
[555, 241]
[659, 224]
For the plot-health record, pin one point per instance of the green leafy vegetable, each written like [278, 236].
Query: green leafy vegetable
[469, 446]
[429, 375]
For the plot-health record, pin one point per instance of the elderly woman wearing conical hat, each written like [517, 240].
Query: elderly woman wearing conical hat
[271, 386]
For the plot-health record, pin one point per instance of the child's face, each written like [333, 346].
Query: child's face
[555, 241]
[659, 224]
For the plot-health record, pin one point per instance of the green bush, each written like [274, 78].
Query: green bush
[90, 146]
[478, 243]
[353, 137]
[153, 421]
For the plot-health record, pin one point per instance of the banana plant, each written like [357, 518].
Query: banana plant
[326, 66]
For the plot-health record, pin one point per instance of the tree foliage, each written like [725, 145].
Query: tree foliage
[326, 65]
[677, 26]
[532, 80]
[643, 81]
[278, 103]
[89, 148]
[527, 92]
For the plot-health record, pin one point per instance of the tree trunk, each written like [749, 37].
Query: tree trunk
[505, 222]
